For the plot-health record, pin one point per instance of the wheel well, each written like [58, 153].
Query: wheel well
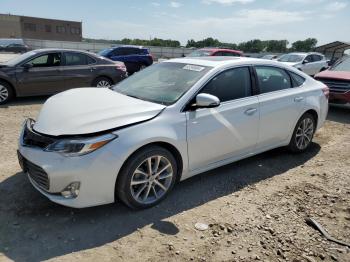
[314, 114]
[171, 149]
[11, 86]
[103, 77]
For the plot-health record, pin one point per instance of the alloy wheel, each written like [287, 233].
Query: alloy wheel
[151, 179]
[304, 133]
[4, 93]
[103, 84]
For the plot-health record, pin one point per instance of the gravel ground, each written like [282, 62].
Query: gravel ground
[255, 208]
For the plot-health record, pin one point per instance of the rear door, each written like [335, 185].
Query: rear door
[281, 102]
[229, 130]
[43, 77]
[78, 70]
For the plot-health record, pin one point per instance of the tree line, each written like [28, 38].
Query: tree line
[252, 46]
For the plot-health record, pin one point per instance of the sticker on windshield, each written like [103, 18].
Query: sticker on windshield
[194, 68]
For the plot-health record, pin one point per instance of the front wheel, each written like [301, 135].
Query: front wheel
[147, 177]
[103, 82]
[6, 92]
[303, 134]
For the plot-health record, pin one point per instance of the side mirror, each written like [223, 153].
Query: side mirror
[204, 100]
[305, 61]
[27, 66]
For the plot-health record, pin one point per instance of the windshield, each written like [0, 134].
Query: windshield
[104, 52]
[162, 83]
[342, 64]
[198, 53]
[18, 59]
[291, 58]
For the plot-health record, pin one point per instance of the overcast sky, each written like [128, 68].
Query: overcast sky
[228, 20]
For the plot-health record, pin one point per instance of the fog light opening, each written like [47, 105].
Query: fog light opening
[71, 191]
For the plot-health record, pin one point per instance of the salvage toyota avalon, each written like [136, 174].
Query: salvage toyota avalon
[172, 120]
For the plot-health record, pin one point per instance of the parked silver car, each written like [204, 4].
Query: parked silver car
[310, 63]
[168, 122]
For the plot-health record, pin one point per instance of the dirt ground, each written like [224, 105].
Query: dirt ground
[255, 208]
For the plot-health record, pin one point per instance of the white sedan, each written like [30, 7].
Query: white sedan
[164, 124]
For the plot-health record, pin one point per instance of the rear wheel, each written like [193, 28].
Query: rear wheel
[6, 92]
[303, 134]
[147, 177]
[103, 82]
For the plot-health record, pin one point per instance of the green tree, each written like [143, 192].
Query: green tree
[304, 45]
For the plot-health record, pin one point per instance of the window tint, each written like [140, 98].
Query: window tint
[47, 60]
[219, 53]
[309, 58]
[297, 79]
[229, 85]
[230, 54]
[272, 79]
[316, 58]
[90, 60]
[76, 59]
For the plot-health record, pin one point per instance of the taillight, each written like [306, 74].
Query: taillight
[121, 66]
[325, 91]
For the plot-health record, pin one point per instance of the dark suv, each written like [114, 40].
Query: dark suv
[135, 58]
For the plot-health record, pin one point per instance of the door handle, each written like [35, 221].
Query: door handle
[250, 111]
[298, 99]
[92, 68]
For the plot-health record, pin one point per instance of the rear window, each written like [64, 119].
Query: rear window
[105, 52]
[297, 80]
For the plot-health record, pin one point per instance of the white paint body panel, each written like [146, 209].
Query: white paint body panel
[205, 138]
[91, 110]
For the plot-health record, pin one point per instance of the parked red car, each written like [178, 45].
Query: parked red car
[337, 78]
[215, 52]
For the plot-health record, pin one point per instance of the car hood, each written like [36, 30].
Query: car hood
[90, 110]
[337, 75]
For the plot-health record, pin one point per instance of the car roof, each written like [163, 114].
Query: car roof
[218, 61]
[304, 53]
[215, 49]
[43, 50]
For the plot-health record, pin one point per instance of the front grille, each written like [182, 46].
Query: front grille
[31, 138]
[337, 86]
[36, 173]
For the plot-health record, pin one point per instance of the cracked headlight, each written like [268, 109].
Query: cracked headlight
[80, 146]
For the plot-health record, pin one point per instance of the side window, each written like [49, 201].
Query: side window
[309, 58]
[316, 58]
[296, 79]
[272, 79]
[218, 53]
[47, 60]
[116, 52]
[90, 60]
[75, 59]
[229, 85]
[230, 54]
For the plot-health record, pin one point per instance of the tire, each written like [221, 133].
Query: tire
[6, 92]
[102, 82]
[303, 134]
[142, 66]
[135, 170]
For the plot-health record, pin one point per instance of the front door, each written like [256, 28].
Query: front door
[42, 77]
[229, 130]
